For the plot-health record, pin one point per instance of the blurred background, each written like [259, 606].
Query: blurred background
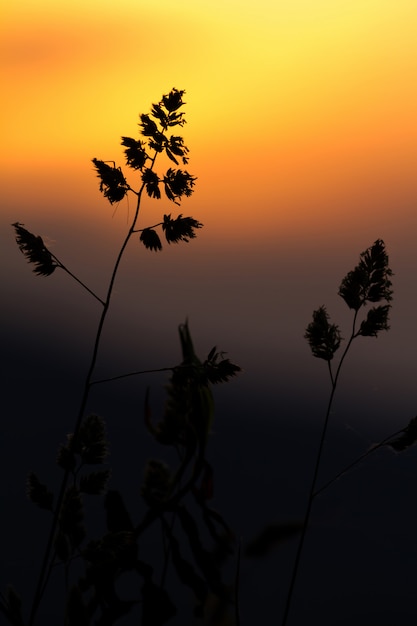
[302, 133]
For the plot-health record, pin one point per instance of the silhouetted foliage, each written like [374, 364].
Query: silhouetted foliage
[35, 251]
[172, 102]
[112, 182]
[186, 427]
[167, 493]
[135, 152]
[150, 239]
[177, 184]
[324, 338]
[218, 369]
[370, 280]
[376, 320]
[151, 181]
[179, 229]
[174, 498]
[176, 147]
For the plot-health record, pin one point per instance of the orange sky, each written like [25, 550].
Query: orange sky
[293, 108]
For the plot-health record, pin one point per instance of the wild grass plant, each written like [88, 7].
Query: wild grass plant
[195, 539]
[367, 291]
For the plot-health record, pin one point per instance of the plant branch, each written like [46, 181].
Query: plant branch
[113, 185]
[237, 583]
[140, 230]
[80, 282]
[356, 461]
[152, 371]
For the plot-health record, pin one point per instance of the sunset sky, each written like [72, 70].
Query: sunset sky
[302, 129]
[299, 111]
[301, 124]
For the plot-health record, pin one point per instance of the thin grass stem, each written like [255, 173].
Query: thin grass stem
[306, 520]
[120, 376]
[356, 461]
[80, 282]
[43, 576]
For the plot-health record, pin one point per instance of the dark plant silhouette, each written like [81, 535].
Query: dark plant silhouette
[195, 540]
[368, 284]
[93, 564]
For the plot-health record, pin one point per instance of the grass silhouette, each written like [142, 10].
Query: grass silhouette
[369, 283]
[175, 499]
[195, 539]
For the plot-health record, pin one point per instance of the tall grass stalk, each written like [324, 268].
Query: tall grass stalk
[185, 426]
[368, 283]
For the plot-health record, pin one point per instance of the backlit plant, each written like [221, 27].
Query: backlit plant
[195, 539]
[178, 494]
[367, 291]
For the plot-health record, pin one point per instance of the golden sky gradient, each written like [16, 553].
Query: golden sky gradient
[296, 109]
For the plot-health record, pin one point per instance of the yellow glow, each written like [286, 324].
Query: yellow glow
[292, 106]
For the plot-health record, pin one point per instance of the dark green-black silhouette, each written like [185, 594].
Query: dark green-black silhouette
[175, 500]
